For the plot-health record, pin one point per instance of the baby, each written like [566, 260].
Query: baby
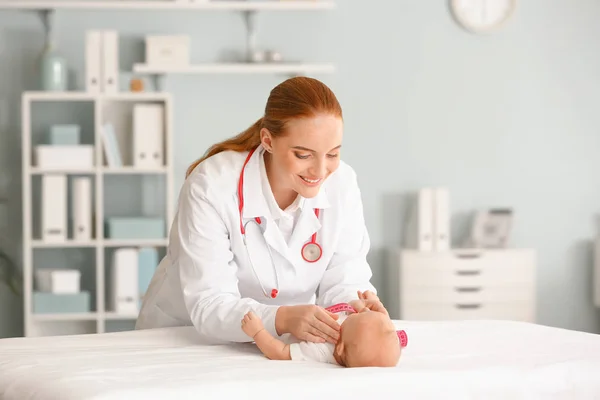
[368, 338]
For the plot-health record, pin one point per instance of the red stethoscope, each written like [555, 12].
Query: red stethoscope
[311, 251]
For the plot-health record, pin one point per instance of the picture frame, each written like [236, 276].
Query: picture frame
[491, 228]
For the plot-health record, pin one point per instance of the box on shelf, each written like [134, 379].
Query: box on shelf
[171, 50]
[58, 281]
[64, 156]
[135, 228]
[64, 135]
[53, 303]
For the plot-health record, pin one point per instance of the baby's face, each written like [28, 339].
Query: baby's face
[368, 339]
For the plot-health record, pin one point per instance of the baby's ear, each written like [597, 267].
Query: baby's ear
[339, 349]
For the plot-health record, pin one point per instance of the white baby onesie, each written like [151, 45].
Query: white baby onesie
[318, 352]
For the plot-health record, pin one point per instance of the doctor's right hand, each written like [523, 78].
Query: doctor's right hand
[308, 322]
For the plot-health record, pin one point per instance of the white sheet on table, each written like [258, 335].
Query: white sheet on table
[469, 359]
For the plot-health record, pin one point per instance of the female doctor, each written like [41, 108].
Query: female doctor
[269, 221]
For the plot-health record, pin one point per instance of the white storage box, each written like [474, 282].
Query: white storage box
[172, 50]
[65, 156]
[58, 281]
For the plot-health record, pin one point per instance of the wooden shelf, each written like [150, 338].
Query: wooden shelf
[235, 68]
[283, 5]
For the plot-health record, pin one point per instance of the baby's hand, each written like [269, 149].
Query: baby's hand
[252, 324]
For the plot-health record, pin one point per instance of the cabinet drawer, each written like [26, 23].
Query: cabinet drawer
[520, 293]
[468, 311]
[460, 268]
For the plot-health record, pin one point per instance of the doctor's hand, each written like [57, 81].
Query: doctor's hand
[308, 322]
[370, 301]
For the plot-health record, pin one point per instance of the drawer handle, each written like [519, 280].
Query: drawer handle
[468, 306]
[472, 272]
[468, 289]
[468, 255]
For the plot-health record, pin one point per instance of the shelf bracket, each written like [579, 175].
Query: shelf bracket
[46, 16]
[250, 22]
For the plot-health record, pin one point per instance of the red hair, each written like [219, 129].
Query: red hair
[298, 97]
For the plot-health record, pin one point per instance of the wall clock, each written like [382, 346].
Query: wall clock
[482, 15]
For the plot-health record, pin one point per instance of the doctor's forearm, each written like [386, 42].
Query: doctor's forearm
[218, 319]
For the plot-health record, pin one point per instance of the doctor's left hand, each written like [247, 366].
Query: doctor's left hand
[308, 322]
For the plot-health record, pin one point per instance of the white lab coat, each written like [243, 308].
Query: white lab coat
[206, 279]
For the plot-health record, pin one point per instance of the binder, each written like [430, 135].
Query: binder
[93, 61]
[110, 62]
[81, 199]
[54, 208]
[148, 136]
[441, 218]
[124, 293]
[425, 220]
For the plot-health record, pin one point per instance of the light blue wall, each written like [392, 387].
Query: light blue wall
[508, 119]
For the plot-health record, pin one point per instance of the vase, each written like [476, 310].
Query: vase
[53, 70]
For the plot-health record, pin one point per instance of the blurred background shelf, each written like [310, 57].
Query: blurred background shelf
[237, 68]
[124, 186]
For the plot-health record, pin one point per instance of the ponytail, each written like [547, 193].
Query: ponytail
[245, 141]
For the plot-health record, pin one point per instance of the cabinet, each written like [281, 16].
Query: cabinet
[466, 284]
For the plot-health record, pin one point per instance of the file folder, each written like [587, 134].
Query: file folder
[81, 199]
[93, 61]
[110, 61]
[54, 208]
[124, 293]
[441, 231]
[148, 135]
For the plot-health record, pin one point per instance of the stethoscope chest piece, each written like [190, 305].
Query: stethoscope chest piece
[311, 252]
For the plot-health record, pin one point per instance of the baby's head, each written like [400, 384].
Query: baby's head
[368, 339]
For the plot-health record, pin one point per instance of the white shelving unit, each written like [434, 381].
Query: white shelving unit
[92, 256]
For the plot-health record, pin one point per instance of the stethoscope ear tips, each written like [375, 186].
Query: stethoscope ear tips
[274, 293]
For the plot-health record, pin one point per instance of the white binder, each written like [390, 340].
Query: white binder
[148, 135]
[425, 220]
[441, 219]
[54, 208]
[93, 61]
[81, 199]
[110, 61]
[124, 293]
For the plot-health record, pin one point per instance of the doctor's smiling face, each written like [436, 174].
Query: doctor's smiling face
[300, 160]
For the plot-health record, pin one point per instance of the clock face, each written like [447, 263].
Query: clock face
[482, 15]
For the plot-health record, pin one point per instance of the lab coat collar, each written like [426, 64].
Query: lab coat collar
[255, 203]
